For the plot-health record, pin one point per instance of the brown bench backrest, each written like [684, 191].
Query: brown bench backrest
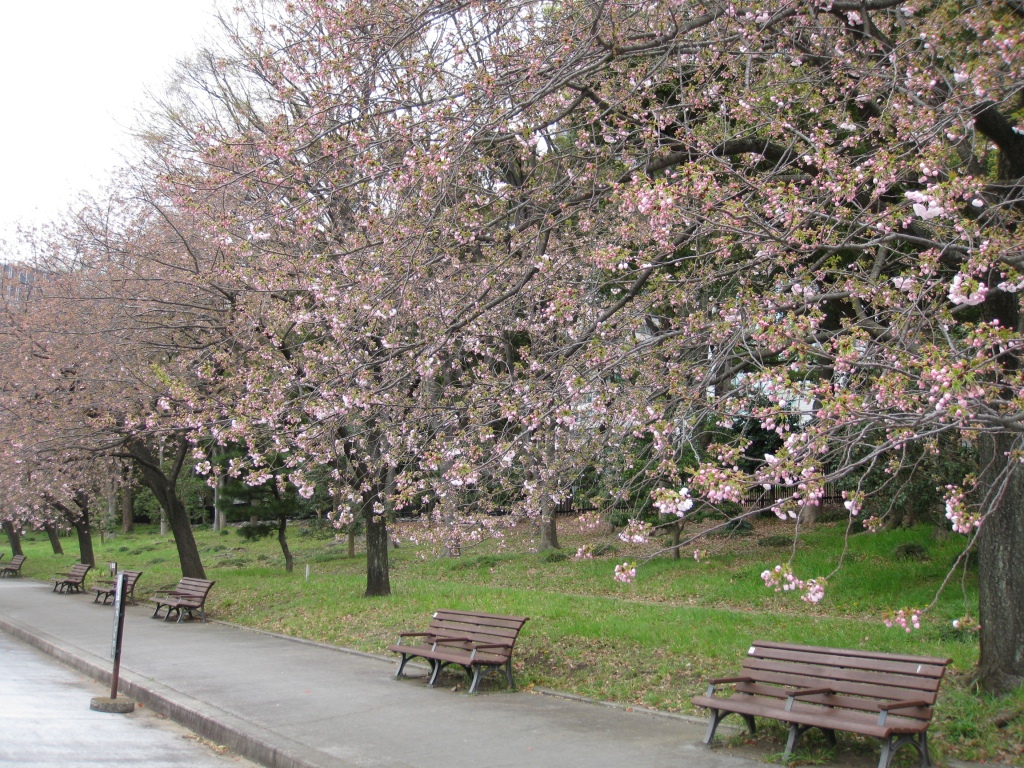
[478, 627]
[193, 588]
[130, 577]
[77, 572]
[859, 679]
[15, 563]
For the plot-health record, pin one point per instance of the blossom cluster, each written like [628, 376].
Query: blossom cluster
[853, 502]
[586, 552]
[967, 624]
[962, 519]
[905, 618]
[636, 532]
[626, 573]
[782, 579]
[672, 503]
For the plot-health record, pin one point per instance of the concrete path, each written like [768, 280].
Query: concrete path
[291, 704]
[45, 722]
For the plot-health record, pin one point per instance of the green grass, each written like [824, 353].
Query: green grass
[649, 643]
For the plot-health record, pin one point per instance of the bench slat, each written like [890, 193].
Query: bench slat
[806, 714]
[846, 691]
[862, 653]
[923, 669]
[479, 640]
[836, 700]
[910, 682]
[469, 629]
[856, 697]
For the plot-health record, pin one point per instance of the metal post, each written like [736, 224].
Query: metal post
[118, 633]
[113, 704]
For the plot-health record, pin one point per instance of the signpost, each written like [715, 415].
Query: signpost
[113, 704]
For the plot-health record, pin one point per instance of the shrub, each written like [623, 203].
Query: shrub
[738, 527]
[778, 540]
[318, 528]
[255, 531]
[553, 556]
[910, 550]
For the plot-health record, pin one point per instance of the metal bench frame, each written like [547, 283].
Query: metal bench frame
[475, 641]
[884, 695]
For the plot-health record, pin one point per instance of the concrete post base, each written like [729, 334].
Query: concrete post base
[121, 705]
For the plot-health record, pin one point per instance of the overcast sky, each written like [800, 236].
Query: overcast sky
[72, 74]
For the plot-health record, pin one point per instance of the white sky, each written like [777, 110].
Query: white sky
[72, 74]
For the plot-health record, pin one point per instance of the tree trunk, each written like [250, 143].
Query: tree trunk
[127, 502]
[13, 538]
[378, 578]
[1000, 545]
[218, 504]
[83, 528]
[163, 487]
[351, 541]
[676, 529]
[107, 521]
[51, 532]
[548, 526]
[85, 542]
[282, 525]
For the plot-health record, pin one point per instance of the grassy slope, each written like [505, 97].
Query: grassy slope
[652, 642]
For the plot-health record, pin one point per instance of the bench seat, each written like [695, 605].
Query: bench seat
[109, 588]
[474, 641]
[882, 695]
[188, 596]
[12, 568]
[73, 580]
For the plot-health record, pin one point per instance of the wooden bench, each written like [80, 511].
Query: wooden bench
[73, 580]
[189, 595]
[474, 641]
[12, 568]
[885, 695]
[109, 588]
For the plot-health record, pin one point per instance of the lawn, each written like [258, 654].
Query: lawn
[651, 643]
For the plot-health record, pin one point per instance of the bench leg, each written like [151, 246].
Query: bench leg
[401, 664]
[830, 736]
[508, 673]
[155, 613]
[477, 674]
[795, 732]
[891, 745]
[716, 718]
[751, 724]
[926, 760]
[434, 672]
[718, 715]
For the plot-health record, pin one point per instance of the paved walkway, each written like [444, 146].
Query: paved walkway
[45, 722]
[291, 704]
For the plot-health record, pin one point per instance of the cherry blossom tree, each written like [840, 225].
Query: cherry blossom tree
[94, 357]
[455, 255]
[687, 215]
